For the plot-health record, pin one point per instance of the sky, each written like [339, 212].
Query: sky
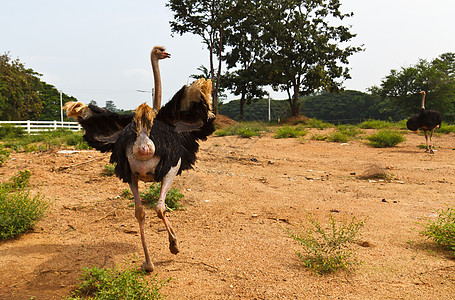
[100, 50]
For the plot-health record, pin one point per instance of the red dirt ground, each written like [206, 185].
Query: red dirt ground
[239, 198]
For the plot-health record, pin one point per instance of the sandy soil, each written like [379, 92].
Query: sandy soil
[239, 198]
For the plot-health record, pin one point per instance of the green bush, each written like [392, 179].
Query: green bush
[10, 131]
[326, 250]
[112, 284]
[290, 132]
[46, 140]
[4, 155]
[19, 211]
[108, 170]
[442, 231]
[337, 137]
[244, 129]
[349, 130]
[376, 124]
[446, 128]
[385, 138]
[315, 123]
[173, 196]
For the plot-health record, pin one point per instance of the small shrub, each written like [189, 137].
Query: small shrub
[385, 138]
[105, 284]
[173, 196]
[446, 128]
[319, 137]
[328, 250]
[108, 170]
[442, 231]
[19, 211]
[315, 123]
[349, 130]
[375, 124]
[290, 132]
[244, 129]
[4, 155]
[10, 131]
[337, 137]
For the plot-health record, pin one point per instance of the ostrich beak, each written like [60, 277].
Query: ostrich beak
[165, 54]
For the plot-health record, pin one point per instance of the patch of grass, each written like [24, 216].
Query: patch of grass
[173, 196]
[290, 132]
[326, 250]
[19, 211]
[319, 124]
[350, 131]
[46, 140]
[385, 138]
[10, 131]
[243, 129]
[105, 284]
[337, 137]
[376, 124]
[4, 155]
[108, 170]
[319, 137]
[446, 128]
[442, 231]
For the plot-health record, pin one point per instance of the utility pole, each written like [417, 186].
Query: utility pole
[61, 107]
[270, 117]
[152, 92]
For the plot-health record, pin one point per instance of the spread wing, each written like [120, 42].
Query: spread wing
[190, 109]
[102, 127]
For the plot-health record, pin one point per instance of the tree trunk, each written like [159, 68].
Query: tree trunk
[218, 75]
[294, 104]
[242, 104]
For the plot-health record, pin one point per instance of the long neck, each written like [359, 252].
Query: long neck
[423, 101]
[157, 78]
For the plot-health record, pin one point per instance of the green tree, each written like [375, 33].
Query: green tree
[50, 100]
[435, 77]
[19, 86]
[207, 19]
[246, 52]
[305, 53]
[110, 105]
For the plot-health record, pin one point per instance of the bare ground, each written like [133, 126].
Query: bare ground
[239, 198]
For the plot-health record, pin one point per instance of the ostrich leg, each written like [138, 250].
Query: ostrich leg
[426, 141]
[161, 206]
[431, 141]
[140, 216]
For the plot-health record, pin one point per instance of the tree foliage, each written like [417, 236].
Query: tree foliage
[19, 86]
[307, 54]
[23, 96]
[435, 77]
[207, 19]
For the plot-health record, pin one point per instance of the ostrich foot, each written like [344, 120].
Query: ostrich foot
[173, 247]
[147, 267]
[431, 151]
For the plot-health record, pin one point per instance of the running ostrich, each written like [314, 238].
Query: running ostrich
[427, 120]
[153, 144]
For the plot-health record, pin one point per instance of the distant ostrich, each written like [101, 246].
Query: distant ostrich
[153, 144]
[427, 120]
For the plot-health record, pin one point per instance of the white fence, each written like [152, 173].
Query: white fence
[37, 126]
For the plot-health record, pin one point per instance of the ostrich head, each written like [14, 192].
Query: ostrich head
[159, 52]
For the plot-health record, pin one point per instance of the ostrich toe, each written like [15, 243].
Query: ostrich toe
[147, 267]
[173, 247]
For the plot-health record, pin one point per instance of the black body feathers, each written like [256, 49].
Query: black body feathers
[425, 119]
[175, 134]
